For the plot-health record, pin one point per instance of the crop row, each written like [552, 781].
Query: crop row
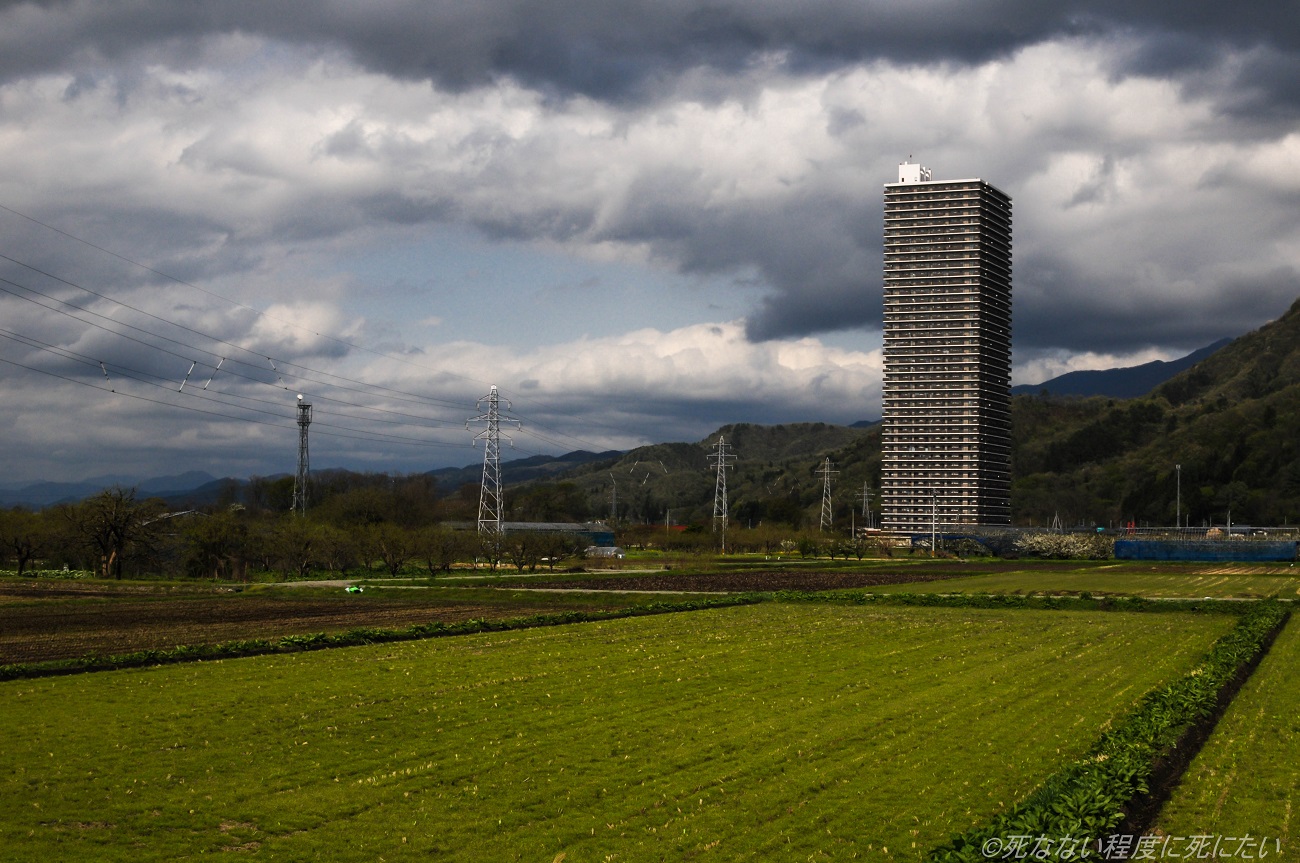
[1246, 778]
[348, 638]
[769, 731]
[371, 634]
[1098, 792]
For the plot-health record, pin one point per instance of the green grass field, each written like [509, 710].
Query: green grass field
[1246, 780]
[752, 733]
[1118, 579]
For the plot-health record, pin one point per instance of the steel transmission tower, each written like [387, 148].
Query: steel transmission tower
[489, 498]
[300, 479]
[722, 458]
[866, 503]
[827, 470]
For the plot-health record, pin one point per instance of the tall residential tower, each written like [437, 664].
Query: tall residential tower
[947, 407]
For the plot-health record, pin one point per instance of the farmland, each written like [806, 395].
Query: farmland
[1246, 780]
[756, 732]
[921, 575]
[60, 621]
[1251, 581]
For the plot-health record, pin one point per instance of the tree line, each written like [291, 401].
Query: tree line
[360, 523]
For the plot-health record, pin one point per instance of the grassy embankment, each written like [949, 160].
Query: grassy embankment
[757, 732]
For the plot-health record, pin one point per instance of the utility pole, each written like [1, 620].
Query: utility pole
[722, 458]
[613, 499]
[1178, 507]
[827, 471]
[489, 498]
[934, 523]
[300, 478]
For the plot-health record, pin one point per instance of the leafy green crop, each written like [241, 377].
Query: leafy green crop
[772, 731]
[1090, 796]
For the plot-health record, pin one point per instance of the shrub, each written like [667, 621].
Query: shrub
[1069, 546]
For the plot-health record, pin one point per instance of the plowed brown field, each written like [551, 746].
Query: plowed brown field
[36, 627]
[746, 581]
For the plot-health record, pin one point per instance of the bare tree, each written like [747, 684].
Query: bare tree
[439, 548]
[113, 523]
[396, 546]
[23, 535]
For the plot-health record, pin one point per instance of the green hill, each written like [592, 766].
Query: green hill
[1228, 421]
[774, 477]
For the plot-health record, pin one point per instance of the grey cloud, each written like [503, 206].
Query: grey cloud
[1064, 307]
[1098, 187]
[817, 250]
[629, 50]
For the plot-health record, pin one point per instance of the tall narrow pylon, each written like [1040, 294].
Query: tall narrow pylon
[299, 504]
[489, 497]
[827, 470]
[866, 504]
[721, 457]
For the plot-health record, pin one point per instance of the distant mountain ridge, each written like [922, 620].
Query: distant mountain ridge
[199, 488]
[1123, 383]
[520, 470]
[42, 494]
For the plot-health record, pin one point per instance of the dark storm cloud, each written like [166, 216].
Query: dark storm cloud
[815, 249]
[629, 50]
[1067, 309]
[812, 247]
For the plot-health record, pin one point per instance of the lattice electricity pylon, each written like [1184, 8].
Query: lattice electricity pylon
[489, 496]
[866, 504]
[827, 470]
[300, 478]
[721, 458]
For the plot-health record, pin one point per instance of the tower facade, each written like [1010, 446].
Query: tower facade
[946, 445]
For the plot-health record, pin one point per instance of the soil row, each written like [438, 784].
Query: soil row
[64, 630]
[740, 582]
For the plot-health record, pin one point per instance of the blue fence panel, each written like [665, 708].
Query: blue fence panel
[1152, 549]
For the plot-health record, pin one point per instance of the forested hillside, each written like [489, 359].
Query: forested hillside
[1228, 421]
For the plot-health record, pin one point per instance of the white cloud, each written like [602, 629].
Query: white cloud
[1147, 222]
[649, 385]
[1057, 363]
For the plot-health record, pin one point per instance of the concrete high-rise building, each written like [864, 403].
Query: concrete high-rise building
[947, 406]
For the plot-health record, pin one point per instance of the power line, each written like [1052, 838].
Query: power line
[362, 387]
[67, 353]
[153, 380]
[582, 442]
[258, 312]
[361, 435]
[222, 297]
[217, 339]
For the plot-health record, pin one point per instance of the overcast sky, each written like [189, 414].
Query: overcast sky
[640, 219]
